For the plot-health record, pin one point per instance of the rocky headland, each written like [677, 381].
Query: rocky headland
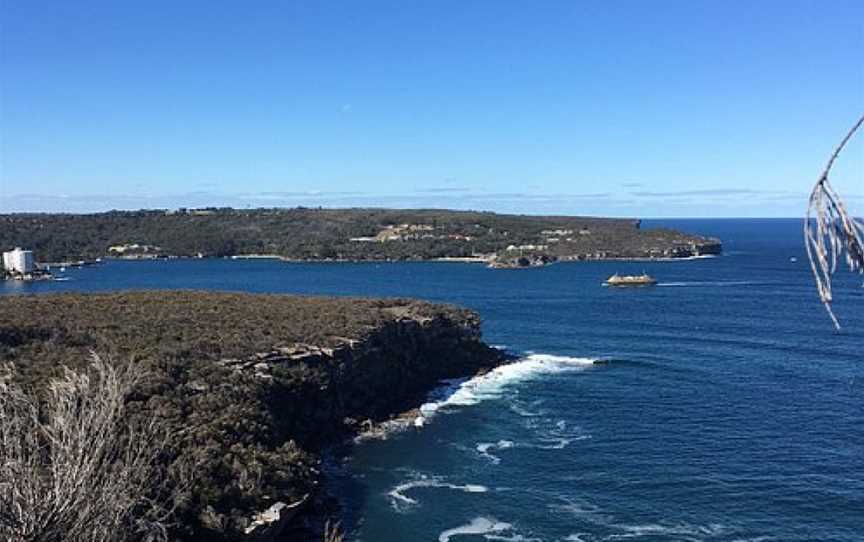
[257, 386]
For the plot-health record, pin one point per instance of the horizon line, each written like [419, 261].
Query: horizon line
[406, 209]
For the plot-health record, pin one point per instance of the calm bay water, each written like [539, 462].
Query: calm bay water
[727, 407]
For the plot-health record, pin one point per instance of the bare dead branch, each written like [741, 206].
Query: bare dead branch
[830, 233]
[333, 532]
[75, 466]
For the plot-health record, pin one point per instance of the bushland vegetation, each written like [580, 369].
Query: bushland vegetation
[249, 441]
[321, 234]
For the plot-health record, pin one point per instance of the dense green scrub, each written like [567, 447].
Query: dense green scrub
[253, 385]
[317, 234]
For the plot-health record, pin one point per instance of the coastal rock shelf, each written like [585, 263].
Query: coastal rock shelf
[260, 384]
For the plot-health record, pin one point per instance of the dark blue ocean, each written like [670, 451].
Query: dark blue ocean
[727, 407]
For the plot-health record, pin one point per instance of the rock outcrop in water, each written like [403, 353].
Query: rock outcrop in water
[259, 384]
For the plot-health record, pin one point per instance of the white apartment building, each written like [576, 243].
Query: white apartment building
[19, 261]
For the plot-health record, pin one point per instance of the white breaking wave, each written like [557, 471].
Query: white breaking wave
[479, 525]
[484, 447]
[399, 498]
[492, 385]
[490, 528]
[511, 538]
[556, 437]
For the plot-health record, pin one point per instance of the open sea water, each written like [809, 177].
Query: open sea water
[726, 406]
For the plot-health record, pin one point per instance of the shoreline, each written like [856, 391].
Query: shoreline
[460, 392]
[328, 503]
[455, 259]
[489, 263]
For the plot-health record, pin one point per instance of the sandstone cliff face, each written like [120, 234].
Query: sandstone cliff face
[331, 390]
[256, 385]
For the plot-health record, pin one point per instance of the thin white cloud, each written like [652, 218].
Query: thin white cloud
[706, 192]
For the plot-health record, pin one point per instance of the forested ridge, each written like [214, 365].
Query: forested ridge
[331, 234]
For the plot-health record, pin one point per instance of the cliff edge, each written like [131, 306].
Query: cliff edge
[257, 385]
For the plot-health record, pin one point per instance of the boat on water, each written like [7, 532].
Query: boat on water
[631, 280]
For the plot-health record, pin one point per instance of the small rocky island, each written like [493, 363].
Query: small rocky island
[257, 385]
[303, 234]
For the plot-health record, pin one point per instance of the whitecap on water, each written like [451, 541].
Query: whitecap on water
[484, 447]
[546, 434]
[511, 538]
[553, 434]
[400, 500]
[582, 510]
[585, 511]
[680, 531]
[489, 528]
[529, 410]
[479, 525]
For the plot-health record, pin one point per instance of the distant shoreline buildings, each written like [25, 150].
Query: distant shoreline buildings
[19, 264]
[18, 261]
[302, 234]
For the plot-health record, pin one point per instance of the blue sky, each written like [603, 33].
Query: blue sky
[651, 109]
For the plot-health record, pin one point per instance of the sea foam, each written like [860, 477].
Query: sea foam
[546, 434]
[593, 515]
[478, 525]
[492, 385]
[399, 498]
[484, 447]
[489, 528]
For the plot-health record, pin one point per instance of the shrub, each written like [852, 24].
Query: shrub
[75, 467]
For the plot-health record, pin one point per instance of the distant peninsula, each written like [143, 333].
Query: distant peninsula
[310, 234]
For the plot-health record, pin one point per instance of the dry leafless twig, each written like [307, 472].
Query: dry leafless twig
[333, 533]
[830, 233]
[75, 467]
